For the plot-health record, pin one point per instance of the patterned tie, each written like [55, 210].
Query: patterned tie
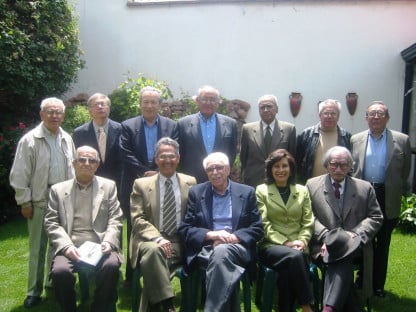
[169, 209]
[337, 192]
[267, 139]
[102, 143]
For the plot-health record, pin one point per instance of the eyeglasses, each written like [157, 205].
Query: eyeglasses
[266, 107]
[208, 100]
[378, 113]
[329, 114]
[216, 167]
[54, 112]
[167, 156]
[84, 160]
[99, 104]
[335, 165]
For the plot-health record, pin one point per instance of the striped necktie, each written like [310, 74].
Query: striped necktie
[102, 142]
[169, 209]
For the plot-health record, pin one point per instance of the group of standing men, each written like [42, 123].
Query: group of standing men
[216, 213]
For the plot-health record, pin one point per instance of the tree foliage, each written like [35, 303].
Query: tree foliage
[39, 50]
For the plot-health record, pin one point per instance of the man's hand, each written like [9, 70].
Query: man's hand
[106, 247]
[72, 253]
[221, 237]
[166, 247]
[27, 211]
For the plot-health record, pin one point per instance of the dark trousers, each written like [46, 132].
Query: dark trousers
[106, 277]
[293, 280]
[382, 243]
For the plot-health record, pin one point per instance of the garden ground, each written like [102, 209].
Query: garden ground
[400, 287]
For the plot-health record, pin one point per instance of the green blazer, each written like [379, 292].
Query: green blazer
[285, 222]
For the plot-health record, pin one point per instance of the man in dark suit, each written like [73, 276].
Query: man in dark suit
[83, 209]
[99, 106]
[221, 227]
[260, 138]
[339, 201]
[138, 139]
[382, 157]
[157, 250]
[205, 132]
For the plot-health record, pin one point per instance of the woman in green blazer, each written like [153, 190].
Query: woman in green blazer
[288, 225]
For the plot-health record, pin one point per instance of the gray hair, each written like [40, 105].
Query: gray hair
[88, 148]
[327, 156]
[167, 141]
[52, 100]
[378, 102]
[151, 89]
[217, 156]
[268, 97]
[327, 102]
[208, 89]
[97, 96]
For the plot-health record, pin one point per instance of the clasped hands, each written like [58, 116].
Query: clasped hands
[221, 237]
[296, 244]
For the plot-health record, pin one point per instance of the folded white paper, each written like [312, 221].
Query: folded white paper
[90, 252]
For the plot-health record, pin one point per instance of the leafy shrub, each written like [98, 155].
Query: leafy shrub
[74, 117]
[407, 219]
[125, 99]
[9, 137]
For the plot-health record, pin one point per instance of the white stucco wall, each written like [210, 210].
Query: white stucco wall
[322, 49]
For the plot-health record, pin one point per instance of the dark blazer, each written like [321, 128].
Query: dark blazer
[85, 135]
[192, 148]
[246, 219]
[134, 151]
[253, 153]
[398, 163]
[361, 214]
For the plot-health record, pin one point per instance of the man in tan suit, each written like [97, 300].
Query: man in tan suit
[79, 210]
[382, 157]
[155, 245]
[257, 144]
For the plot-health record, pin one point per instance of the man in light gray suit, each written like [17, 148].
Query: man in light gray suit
[84, 209]
[156, 249]
[342, 202]
[205, 132]
[257, 143]
[382, 157]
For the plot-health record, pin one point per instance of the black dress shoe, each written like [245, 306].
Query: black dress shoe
[380, 293]
[31, 301]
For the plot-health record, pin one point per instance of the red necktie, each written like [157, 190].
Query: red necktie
[337, 192]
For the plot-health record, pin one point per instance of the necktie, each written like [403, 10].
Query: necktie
[169, 209]
[267, 139]
[102, 142]
[337, 192]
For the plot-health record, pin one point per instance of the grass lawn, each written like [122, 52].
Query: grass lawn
[401, 285]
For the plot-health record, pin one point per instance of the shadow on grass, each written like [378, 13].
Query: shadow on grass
[15, 227]
[393, 302]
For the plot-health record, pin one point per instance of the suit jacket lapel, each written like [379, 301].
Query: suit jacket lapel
[153, 195]
[68, 208]
[390, 147]
[196, 133]
[206, 205]
[237, 207]
[111, 138]
[350, 197]
[330, 196]
[91, 136]
[258, 137]
[362, 143]
[97, 195]
[276, 136]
